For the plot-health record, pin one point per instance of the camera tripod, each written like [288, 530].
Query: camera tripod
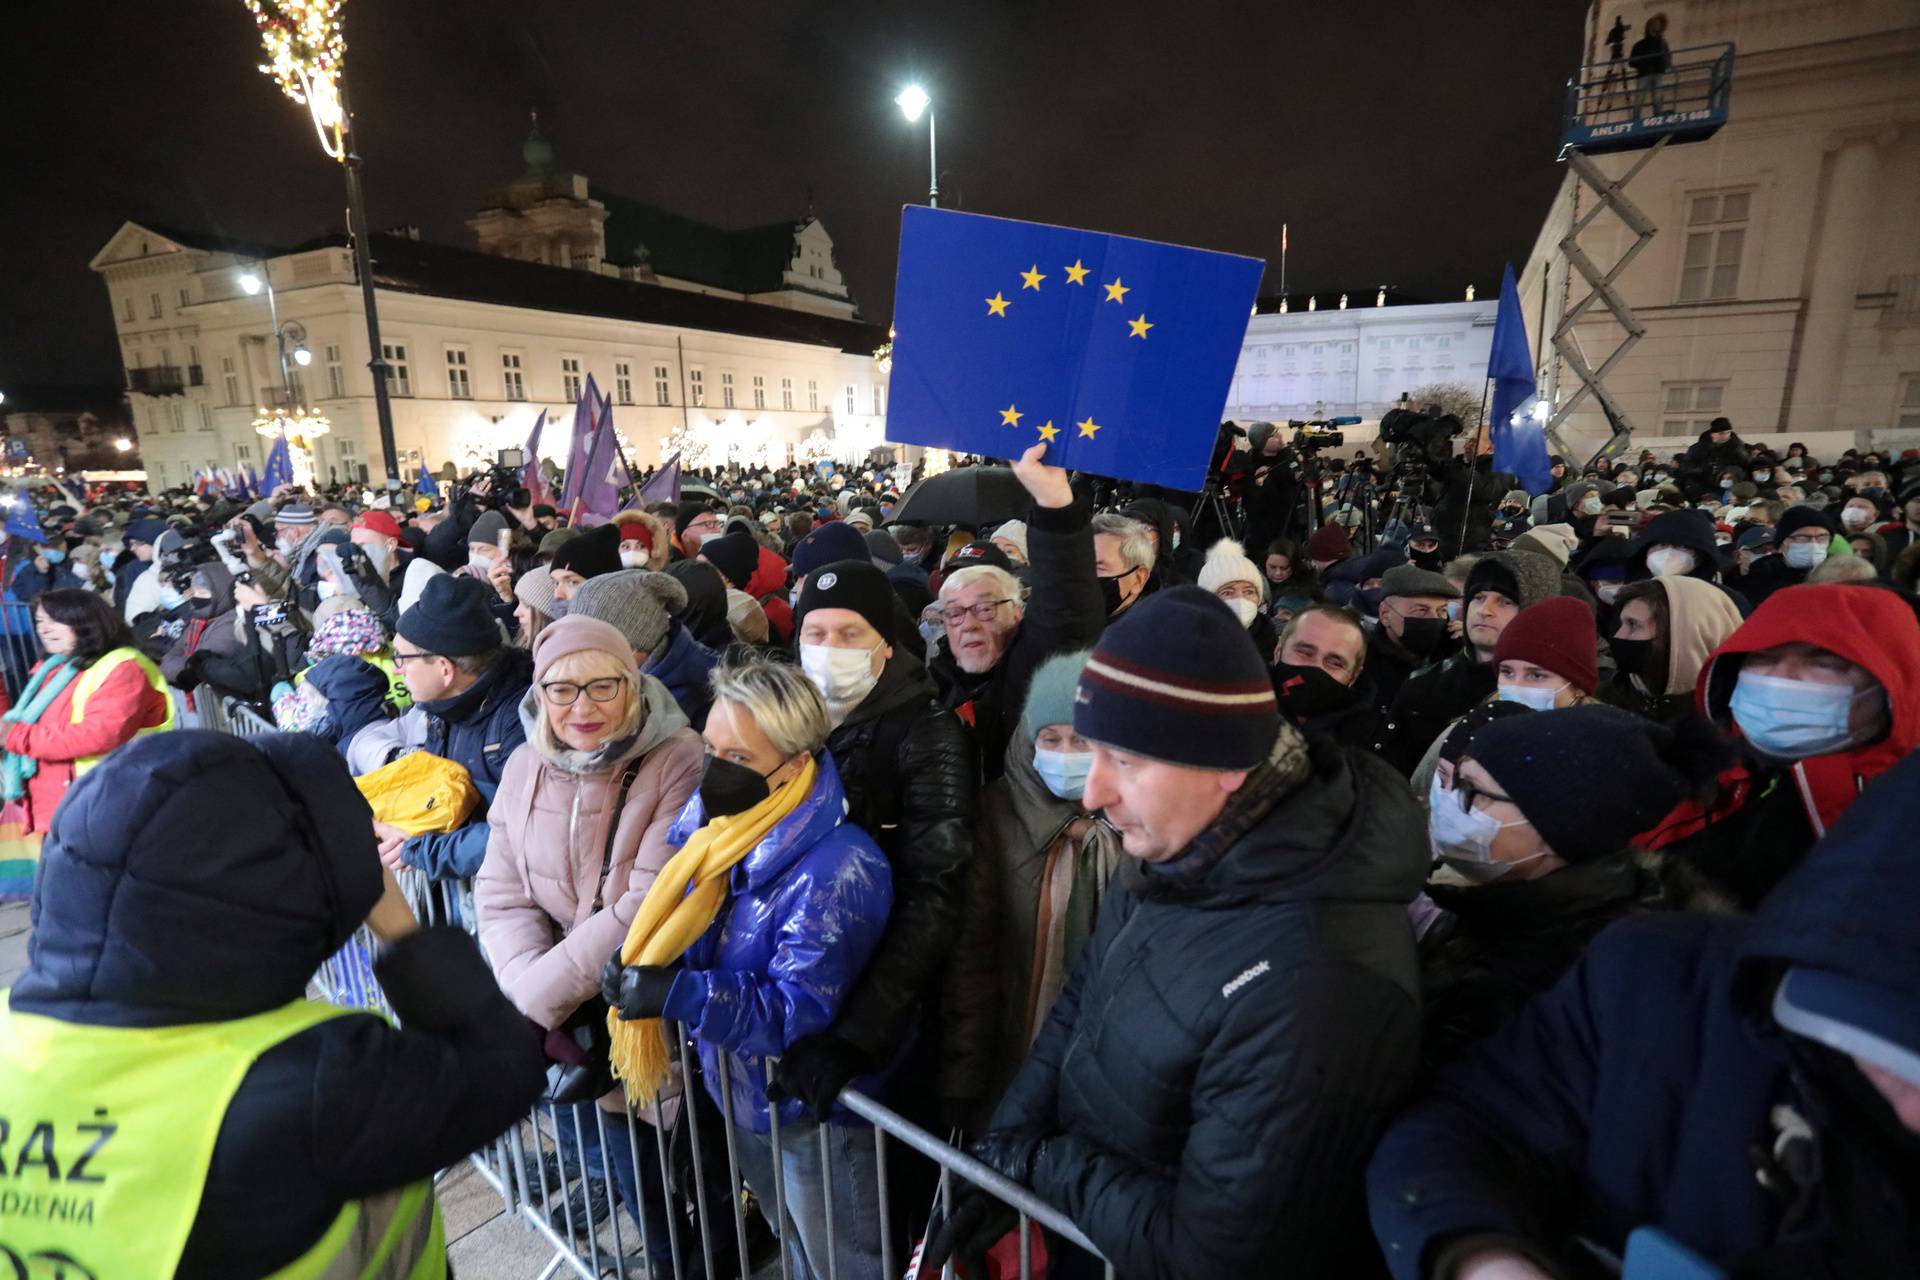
[1214, 502]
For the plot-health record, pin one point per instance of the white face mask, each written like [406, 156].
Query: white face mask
[1244, 609]
[633, 559]
[1531, 695]
[1803, 555]
[1464, 837]
[1854, 518]
[380, 556]
[327, 590]
[480, 562]
[1607, 591]
[845, 676]
[1670, 562]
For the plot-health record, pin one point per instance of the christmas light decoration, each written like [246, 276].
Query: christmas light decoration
[305, 51]
[301, 426]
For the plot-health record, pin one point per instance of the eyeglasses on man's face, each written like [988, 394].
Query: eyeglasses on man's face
[982, 611]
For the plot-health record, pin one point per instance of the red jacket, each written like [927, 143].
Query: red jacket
[1867, 626]
[124, 704]
[768, 585]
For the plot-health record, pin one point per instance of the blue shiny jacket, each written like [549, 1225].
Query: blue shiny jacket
[805, 911]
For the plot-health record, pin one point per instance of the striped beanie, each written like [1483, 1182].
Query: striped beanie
[1178, 679]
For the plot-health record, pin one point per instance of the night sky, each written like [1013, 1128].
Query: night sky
[1403, 144]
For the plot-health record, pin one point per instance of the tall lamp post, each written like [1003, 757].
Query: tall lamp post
[306, 50]
[913, 101]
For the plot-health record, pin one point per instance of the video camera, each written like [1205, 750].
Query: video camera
[1316, 434]
[1420, 438]
[186, 560]
[503, 488]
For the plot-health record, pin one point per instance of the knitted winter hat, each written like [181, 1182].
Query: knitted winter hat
[1227, 562]
[637, 603]
[1329, 542]
[830, 542]
[849, 584]
[488, 528]
[1014, 531]
[686, 513]
[535, 590]
[296, 515]
[593, 553]
[346, 632]
[577, 634]
[1591, 778]
[1206, 703]
[882, 547]
[746, 617]
[1800, 518]
[735, 555]
[452, 619]
[1468, 727]
[1558, 634]
[557, 538]
[1050, 696]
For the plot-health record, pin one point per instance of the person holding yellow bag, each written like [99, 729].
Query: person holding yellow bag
[751, 937]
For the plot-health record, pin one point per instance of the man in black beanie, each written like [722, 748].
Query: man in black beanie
[467, 683]
[588, 556]
[735, 555]
[1245, 1018]
[910, 770]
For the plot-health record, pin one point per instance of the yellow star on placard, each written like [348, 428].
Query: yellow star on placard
[1032, 277]
[1047, 430]
[1116, 292]
[1088, 427]
[996, 305]
[1139, 326]
[1076, 274]
[1010, 416]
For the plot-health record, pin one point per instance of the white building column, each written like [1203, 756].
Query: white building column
[1846, 221]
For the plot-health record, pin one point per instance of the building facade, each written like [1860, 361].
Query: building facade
[1782, 286]
[67, 429]
[1355, 360]
[479, 343]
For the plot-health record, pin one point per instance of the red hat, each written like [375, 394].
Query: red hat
[1557, 634]
[1329, 542]
[634, 525]
[378, 522]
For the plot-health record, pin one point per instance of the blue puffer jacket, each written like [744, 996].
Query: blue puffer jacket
[479, 729]
[684, 666]
[1639, 1089]
[804, 913]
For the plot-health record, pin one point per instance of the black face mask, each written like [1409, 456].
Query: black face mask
[1422, 635]
[727, 788]
[1428, 560]
[1631, 656]
[1309, 691]
[1110, 591]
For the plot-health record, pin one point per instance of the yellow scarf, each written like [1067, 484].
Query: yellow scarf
[679, 907]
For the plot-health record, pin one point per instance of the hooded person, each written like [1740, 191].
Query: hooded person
[646, 541]
[767, 586]
[1535, 820]
[1162, 526]
[1666, 628]
[1804, 537]
[1743, 1088]
[1821, 690]
[252, 1130]
[577, 835]
[1033, 892]
[642, 606]
[1680, 544]
[1236, 579]
[1512, 517]
[1498, 587]
[354, 693]
[1203, 1096]
[910, 771]
[705, 614]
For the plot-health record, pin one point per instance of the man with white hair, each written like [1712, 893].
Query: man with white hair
[996, 638]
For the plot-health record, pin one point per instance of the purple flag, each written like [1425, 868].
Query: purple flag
[586, 421]
[530, 473]
[663, 485]
[605, 473]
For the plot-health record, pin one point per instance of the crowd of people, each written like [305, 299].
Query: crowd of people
[1385, 868]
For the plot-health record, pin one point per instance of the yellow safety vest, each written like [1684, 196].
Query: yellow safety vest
[397, 695]
[107, 1134]
[96, 675]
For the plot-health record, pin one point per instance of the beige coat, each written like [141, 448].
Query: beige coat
[535, 892]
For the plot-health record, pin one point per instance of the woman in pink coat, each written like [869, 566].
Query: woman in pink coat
[579, 831]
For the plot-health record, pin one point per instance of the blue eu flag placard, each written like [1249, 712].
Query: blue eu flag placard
[1116, 352]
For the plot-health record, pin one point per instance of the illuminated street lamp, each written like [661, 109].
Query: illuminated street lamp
[913, 101]
[306, 53]
[122, 445]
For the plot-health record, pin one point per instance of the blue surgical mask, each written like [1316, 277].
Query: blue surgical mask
[1531, 695]
[1792, 719]
[54, 557]
[171, 597]
[931, 632]
[1064, 772]
[1464, 838]
[1803, 555]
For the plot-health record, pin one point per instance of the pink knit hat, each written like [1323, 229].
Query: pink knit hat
[577, 633]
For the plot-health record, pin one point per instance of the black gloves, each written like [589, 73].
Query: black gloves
[978, 1220]
[815, 1070]
[637, 990]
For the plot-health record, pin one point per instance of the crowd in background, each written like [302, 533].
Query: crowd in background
[1382, 867]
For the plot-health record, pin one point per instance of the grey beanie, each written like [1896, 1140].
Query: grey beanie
[638, 603]
[535, 590]
[488, 528]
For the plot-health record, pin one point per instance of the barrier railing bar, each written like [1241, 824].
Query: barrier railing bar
[781, 1227]
[826, 1195]
[733, 1158]
[691, 1113]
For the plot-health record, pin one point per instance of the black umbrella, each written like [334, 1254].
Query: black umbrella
[971, 496]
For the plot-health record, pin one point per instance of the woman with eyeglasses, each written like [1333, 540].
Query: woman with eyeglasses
[578, 834]
[1533, 815]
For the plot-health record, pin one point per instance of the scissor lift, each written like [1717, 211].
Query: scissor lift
[1610, 109]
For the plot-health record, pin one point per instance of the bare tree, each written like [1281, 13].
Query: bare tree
[1456, 398]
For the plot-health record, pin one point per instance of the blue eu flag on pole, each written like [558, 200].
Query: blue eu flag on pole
[1115, 352]
[1518, 447]
[426, 486]
[22, 522]
[279, 466]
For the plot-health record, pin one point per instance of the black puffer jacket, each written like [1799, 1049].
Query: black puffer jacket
[1065, 613]
[1431, 699]
[149, 915]
[912, 777]
[1214, 1074]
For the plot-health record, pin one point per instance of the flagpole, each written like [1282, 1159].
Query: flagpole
[1283, 260]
